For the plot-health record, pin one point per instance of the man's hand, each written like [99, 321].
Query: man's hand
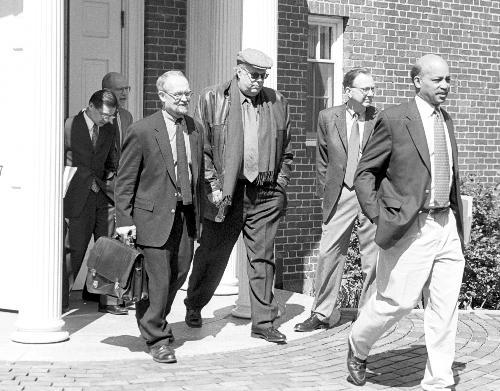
[126, 232]
[215, 197]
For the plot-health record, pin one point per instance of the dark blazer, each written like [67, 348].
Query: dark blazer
[331, 153]
[79, 152]
[126, 120]
[145, 191]
[394, 174]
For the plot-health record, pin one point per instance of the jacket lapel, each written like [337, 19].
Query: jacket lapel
[164, 143]
[340, 124]
[453, 141]
[417, 133]
[370, 117]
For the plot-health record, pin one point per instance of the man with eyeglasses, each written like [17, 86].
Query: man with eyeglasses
[157, 193]
[118, 84]
[248, 161]
[89, 146]
[342, 135]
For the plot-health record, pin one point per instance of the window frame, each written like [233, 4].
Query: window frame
[335, 93]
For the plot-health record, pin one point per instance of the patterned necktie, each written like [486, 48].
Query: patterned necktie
[441, 163]
[352, 154]
[250, 143]
[182, 165]
[95, 135]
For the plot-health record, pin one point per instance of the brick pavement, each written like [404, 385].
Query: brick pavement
[314, 362]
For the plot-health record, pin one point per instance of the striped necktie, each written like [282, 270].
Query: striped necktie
[183, 182]
[441, 163]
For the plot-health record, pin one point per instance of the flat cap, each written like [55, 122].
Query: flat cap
[255, 58]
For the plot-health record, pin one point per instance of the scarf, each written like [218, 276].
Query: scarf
[233, 155]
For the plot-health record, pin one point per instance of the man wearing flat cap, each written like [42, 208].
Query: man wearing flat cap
[248, 161]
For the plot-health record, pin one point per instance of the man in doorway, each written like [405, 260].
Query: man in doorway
[118, 84]
[408, 184]
[89, 146]
[342, 134]
[247, 169]
[158, 195]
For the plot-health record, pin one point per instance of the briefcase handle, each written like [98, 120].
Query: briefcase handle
[129, 240]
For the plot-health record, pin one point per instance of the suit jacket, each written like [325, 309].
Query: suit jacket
[331, 153]
[125, 120]
[146, 190]
[92, 164]
[393, 179]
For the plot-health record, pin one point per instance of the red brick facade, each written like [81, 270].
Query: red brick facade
[386, 36]
[164, 44]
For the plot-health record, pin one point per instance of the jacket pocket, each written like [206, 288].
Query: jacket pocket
[391, 203]
[142, 203]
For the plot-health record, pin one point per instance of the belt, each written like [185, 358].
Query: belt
[436, 210]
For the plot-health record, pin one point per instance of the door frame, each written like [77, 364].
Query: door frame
[132, 60]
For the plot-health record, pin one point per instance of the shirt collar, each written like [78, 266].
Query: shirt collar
[170, 118]
[424, 108]
[88, 121]
[352, 113]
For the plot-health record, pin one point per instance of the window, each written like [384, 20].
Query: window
[324, 58]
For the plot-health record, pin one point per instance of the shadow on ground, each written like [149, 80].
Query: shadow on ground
[402, 368]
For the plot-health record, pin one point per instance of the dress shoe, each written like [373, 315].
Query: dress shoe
[112, 309]
[310, 324]
[355, 366]
[193, 318]
[270, 335]
[163, 353]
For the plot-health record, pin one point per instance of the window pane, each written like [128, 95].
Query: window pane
[320, 92]
[326, 37]
[313, 41]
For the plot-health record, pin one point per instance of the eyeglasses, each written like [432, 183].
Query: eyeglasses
[366, 90]
[256, 75]
[122, 89]
[178, 95]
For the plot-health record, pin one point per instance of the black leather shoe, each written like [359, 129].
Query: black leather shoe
[310, 324]
[163, 353]
[112, 309]
[193, 318]
[356, 367]
[270, 335]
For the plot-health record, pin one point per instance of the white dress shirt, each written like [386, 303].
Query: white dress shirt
[426, 114]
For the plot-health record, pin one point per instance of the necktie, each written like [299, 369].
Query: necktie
[119, 124]
[441, 163]
[182, 165]
[250, 143]
[352, 154]
[94, 136]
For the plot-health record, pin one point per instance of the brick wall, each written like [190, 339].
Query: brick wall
[388, 36]
[164, 44]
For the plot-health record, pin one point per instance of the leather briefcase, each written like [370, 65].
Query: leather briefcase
[116, 269]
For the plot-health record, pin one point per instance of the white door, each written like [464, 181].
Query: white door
[95, 47]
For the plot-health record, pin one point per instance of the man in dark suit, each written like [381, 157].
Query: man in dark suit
[408, 184]
[118, 84]
[158, 194]
[248, 161]
[89, 146]
[342, 134]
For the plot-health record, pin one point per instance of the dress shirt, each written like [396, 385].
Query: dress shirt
[349, 119]
[170, 123]
[427, 115]
[90, 124]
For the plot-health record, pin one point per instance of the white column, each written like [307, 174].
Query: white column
[265, 38]
[39, 318]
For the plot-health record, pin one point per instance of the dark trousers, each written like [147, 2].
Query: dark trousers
[93, 220]
[167, 268]
[255, 211]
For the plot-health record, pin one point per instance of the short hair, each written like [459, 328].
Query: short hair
[160, 83]
[103, 97]
[415, 71]
[353, 74]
